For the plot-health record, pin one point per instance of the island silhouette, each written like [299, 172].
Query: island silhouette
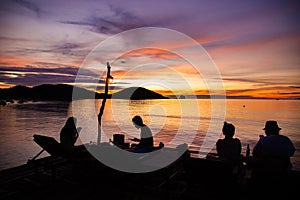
[137, 93]
[64, 92]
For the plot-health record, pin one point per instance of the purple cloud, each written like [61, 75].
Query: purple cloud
[118, 21]
[34, 76]
[29, 6]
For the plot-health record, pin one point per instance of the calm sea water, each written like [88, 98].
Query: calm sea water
[195, 122]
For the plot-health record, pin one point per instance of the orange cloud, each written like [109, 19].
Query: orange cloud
[150, 52]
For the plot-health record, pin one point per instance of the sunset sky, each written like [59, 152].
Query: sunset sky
[255, 45]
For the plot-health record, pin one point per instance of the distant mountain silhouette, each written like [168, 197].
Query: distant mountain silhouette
[64, 92]
[136, 93]
[46, 92]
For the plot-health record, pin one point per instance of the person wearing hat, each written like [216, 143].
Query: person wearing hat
[272, 155]
[274, 144]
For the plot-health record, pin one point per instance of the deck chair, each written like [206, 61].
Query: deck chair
[48, 144]
[54, 148]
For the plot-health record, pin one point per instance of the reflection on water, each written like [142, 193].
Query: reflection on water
[18, 123]
[172, 122]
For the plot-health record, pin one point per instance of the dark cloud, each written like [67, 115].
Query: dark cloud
[293, 93]
[120, 20]
[242, 90]
[246, 80]
[30, 6]
[34, 76]
[29, 69]
[68, 48]
[60, 68]
[76, 50]
[35, 79]
[295, 86]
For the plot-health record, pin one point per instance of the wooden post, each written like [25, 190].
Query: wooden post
[108, 76]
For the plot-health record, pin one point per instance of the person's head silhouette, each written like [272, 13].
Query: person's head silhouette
[137, 121]
[271, 128]
[228, 129]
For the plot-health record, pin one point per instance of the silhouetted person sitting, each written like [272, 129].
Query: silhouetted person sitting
[272, 152]
[146, 139]
[271, 163]
[229, 149]
[223, 169]
[66, 148]
[68, 135]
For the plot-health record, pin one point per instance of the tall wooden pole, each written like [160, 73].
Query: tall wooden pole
[108, 76]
